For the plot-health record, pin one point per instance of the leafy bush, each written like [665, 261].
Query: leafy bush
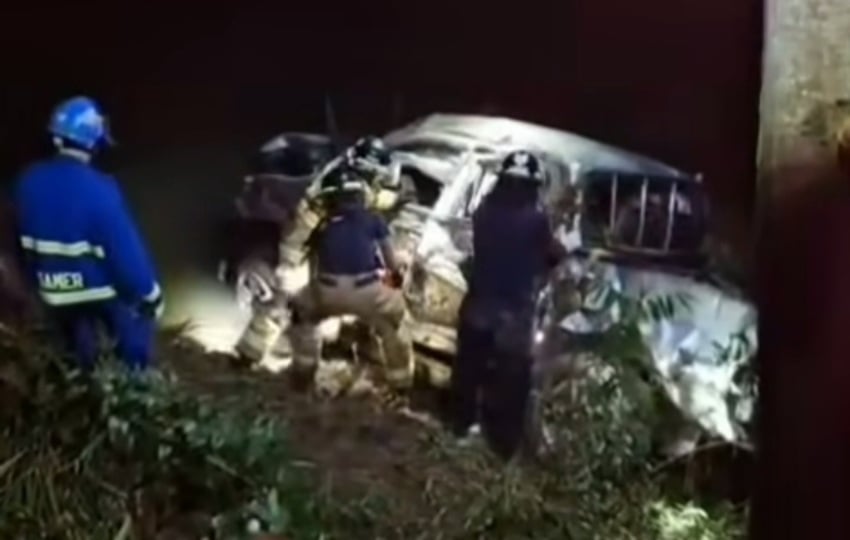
[607, 429]
[600, 480]
[88, 455]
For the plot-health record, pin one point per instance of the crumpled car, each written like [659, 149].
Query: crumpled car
[463, 153]
[641, 223]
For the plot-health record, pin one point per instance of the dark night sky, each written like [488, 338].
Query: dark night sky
[674, 79]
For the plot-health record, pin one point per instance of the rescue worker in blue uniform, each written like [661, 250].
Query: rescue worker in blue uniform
[513, 248]
[81, 246]
[348, 252]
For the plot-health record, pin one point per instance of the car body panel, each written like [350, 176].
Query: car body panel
[488, 136]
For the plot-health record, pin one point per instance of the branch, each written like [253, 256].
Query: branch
[708, 446]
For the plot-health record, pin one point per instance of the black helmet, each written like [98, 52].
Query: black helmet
[368, 155]
[522, 165]
[341, 180]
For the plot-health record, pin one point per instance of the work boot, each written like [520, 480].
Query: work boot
[399, 379]
[245, 355]
[469, 438]
[301, 380]
[241, 362]
[279, 358]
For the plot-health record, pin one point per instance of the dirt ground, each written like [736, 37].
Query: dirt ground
[396, 463]
[379, 454]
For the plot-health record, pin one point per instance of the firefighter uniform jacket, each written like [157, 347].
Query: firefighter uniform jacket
[79, 240]
[310, 213]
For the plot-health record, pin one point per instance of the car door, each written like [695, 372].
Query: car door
[435, 284]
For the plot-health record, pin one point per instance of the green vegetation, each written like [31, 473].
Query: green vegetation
[84, 457]
[114, 456]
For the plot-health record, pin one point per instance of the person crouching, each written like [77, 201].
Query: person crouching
[348, 252]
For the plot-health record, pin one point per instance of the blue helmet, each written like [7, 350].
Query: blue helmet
[80, 121]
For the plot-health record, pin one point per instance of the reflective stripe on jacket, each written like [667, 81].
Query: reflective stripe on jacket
[79, 240]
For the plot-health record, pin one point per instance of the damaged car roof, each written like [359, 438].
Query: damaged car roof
[486, 134]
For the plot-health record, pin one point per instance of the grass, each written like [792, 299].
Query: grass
[85, 455]
[113, 456]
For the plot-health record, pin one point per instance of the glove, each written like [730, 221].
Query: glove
[153, 309]
[385, 199]
[395, 279]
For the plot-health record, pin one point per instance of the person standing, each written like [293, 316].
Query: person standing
[513, 247]
[81, 246]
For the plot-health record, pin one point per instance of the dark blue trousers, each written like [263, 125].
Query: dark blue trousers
[491, 377]
[84, 325]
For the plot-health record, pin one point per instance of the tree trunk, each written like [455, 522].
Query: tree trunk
[804, 260]
[805, 85]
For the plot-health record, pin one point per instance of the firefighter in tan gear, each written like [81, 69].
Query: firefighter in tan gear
[350, 255]
[370, 159]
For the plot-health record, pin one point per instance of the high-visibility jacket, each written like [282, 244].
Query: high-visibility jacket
[79, 240]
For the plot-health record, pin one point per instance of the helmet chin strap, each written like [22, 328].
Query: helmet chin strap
[76, 153]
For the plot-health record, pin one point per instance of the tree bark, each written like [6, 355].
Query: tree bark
[804, 283]
[805, 86]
